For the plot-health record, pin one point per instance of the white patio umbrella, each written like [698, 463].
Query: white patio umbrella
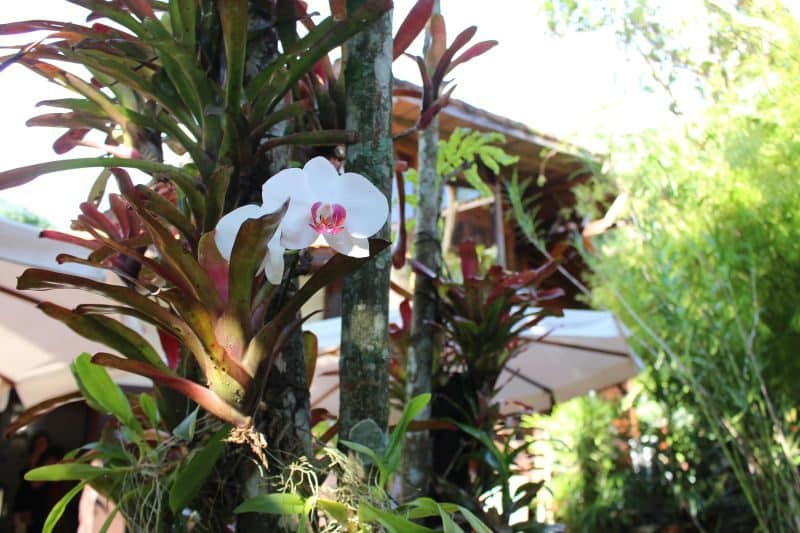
[569, 356]
[36, 350]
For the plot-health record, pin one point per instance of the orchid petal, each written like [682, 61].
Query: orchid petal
[288, 183]
[322, 179]
[296, 232]
[367, 207]
[273, 261]
[348, 245]
[229, 225]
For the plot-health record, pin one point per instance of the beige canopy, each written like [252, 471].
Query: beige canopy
[574, 354]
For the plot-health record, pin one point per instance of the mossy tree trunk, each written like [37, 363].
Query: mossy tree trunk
[363, 367]
[284, 414]
[418, 449]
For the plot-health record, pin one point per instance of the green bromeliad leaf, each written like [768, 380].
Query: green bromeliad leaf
[106, 331]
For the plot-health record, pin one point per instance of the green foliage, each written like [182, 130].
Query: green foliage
[582, 440]
[465, 149]
[523, 206]
[704, 267]
[22, 215]
[388, 460]
[611, 475]
[365, 513]
[145, 469]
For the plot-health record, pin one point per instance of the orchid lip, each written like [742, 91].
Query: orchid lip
[327, 218]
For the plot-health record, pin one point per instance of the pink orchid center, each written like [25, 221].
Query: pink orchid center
[327, 218]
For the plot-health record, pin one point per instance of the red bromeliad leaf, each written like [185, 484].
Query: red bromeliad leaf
[74, 120]
[469, 260]
[320, 414]
[428, 115]
[59, 28]
[69, 140]
[442, 67]
[301, 8]
[106, 331]
[141, 306]
[203, 323]
[161, 269]
[214, 264]
[204, 397]
[28, 26]
[171, 348]
[102, 28]
[249, 250]
[99, 220]
[163, 206]
[70, 239]
[405, 314]
[190, 275]
[322, 71]
[338, 9]
[429, 91]
[438, 39]
[122, 212]
[34, 412]
[472, 52]
[141, 8]
[549, 294]
[413, 24]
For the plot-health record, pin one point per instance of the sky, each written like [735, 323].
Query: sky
[579, 88]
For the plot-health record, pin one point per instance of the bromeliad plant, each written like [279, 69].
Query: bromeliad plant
[484, 314]
[483, 317]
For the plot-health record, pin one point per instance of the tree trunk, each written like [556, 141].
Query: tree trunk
[363, 366]
[418, 450]
[285, 418]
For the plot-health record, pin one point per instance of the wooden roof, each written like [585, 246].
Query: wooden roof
[538, 152]
[562, 165]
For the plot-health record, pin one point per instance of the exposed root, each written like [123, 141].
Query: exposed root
[252, 438]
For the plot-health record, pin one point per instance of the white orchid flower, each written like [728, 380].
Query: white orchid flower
[344, 209]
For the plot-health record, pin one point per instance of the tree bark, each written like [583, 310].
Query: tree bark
[285, 419]
[363, 366]
[418, 449]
